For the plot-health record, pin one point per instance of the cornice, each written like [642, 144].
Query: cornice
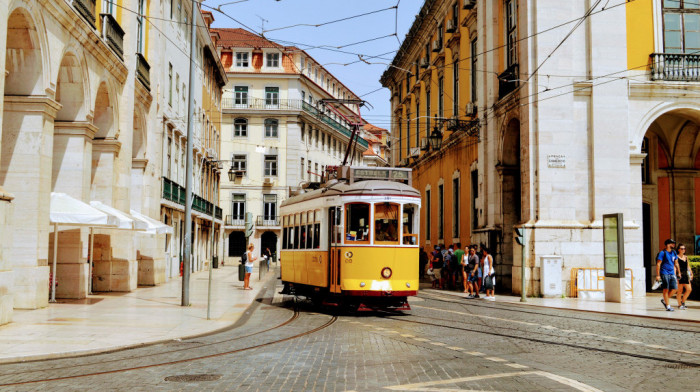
[139, 163]
[107, 145]
[75, 128]
[32, 103]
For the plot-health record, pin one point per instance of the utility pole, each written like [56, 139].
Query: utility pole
[188, 166]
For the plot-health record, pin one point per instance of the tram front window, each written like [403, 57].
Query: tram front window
[386, 223]
[410, 224]
[357, 223]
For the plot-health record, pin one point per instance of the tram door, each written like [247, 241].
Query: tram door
[334, 242]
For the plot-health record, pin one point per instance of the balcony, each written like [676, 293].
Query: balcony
[331, 122]
[86, 9]
[143, 71]
[218, 213]
[261, 104]
[113, 34]
[235, 220]
[267, 221]
[677, 67]
[508, 81]
[175, 193]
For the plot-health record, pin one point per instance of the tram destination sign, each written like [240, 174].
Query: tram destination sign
[380, 173]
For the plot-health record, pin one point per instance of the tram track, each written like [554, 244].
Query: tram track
[295, 316]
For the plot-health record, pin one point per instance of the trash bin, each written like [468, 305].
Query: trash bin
[550, 276]
[241, 272]
[215, 262]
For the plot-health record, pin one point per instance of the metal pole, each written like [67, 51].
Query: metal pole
[188, 166]
[523, 294]
[55, 255]
[91, 260]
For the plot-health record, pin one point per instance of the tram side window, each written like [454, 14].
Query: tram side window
[386, 223]
[296, 237]
[317, 235]
[285, 239]
[302, 239]
[309, 237]
[410, 224]
[357, 222]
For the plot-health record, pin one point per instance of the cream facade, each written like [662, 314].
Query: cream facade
[275, 133]
[83, 95]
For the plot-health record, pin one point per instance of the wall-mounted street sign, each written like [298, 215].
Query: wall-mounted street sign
[556, 160]
[614, 246]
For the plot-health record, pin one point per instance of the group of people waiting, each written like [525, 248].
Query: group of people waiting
[453, 268]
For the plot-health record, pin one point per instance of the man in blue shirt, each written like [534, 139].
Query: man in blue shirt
[666, 270]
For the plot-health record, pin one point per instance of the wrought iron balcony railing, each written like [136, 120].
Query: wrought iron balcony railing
[261, 104]
[235, 220]
[143, 71]
[113, 34]
[86, 9]
[175, 193]
[267, 221]
[675, 67]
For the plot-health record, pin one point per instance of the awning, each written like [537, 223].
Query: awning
[153, 226]
[65, 210]
[126, 221]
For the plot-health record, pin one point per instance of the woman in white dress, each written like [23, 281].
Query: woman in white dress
[489, 274]
[250, 260]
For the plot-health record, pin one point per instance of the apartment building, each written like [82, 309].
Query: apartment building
[279, 132]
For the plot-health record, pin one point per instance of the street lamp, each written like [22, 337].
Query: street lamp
[435, 139]
[231, 174]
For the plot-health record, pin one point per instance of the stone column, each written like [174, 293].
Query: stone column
[25, 170]
[6, 274]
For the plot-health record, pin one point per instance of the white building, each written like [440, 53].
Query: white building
[275, 132]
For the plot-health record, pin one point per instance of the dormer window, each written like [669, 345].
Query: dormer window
[242, 60]
[272, 60]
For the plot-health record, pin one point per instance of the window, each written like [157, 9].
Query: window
[170, 84]
[316, 137]
[170, 147]
[473, 70]
[408, 134]
[272, 60]
[270, 165]
[323, 140]
[285, 233]
[417, 123]
[177, 154]
[241, 96]
[317, 229]
[441, 93]
[140, 27]
[455, 207]
[645, 161]
[681, 26]
[440, 36]
[428, 214]
[386, 223]
[308, 170]
[302, 168]
[172, 8]
[108, 7]
[242, 59]
[357, 223]
[409, 223]
[240, 127]
[238, 209]
[271, 127]
[455, 14]
[270, 208]
[441, 216]
[474, 196]
[511, 33]
[427, 112]
[316, 170]
[238, 163]
[455, 87]
[272, 95]
[303, 61]
[177, 88]
[303, 133]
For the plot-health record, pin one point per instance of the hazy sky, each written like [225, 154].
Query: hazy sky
[360, 77]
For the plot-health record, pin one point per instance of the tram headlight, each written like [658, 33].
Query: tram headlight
[408, 285]
[362, 284]
[386, 273]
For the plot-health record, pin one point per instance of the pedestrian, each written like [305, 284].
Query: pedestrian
[459, 257]
[684, 279]
[470, 269]
[666, 271]
[489, 274]
[437, 264]
[250, 259]
[267, 256]
[455, 268]
[422, 263]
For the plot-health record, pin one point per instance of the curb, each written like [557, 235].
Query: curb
[272, 275]
[455, 294]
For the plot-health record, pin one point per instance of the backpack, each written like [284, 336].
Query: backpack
[454, 263]
[244, 258]
[440, 263]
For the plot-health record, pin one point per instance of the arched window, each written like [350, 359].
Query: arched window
[271, 126]
[240, 127]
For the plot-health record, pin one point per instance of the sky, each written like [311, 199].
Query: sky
[380, 29]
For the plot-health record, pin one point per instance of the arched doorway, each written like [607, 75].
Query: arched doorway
[268, 240]
[511, 208]
[236, 244]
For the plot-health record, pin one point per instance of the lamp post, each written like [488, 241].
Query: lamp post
[435, 139]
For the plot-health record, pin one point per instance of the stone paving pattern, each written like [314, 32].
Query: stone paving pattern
[440, 343]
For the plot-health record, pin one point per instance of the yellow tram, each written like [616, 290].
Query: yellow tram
[353, 241]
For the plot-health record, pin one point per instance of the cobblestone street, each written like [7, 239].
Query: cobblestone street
[444, 343]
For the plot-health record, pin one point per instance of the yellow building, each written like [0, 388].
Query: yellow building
[432, 82]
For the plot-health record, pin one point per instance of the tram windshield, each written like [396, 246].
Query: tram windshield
[357, 223]
[410, 224]
[386, 223]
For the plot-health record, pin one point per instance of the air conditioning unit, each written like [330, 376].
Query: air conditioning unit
[451, 28]
[415, 152]
[470, 109]
[267, 180]
[424, 145]
[437, 45]
[468, 4]
[424, 62]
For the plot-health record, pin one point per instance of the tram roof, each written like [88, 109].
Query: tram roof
[365, 188]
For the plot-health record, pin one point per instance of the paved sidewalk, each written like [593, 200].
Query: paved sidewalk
[650, 306]
[108, 321]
